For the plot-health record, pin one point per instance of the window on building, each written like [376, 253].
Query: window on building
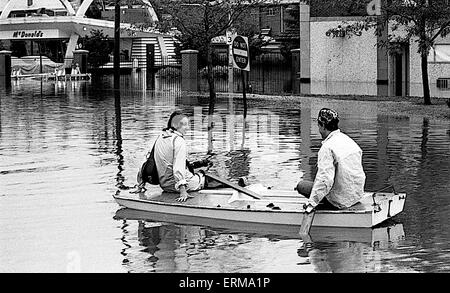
[60, 13]
[440, 53]
[270, 12]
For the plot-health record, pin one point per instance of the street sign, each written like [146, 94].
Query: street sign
[241, 55]
[230, 35]
[219, 40]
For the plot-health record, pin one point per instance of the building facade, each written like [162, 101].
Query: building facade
[359, 65]
[54, 29]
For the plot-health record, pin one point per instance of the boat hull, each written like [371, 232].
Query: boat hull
[382, 236]
[281, 209]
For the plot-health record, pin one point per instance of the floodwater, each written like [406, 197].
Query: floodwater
[66, 148]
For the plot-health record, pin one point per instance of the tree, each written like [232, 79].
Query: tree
[2, 46]
[199, 21]
[424, 21]
[195, 22]
[421, 21]
[99, 48]
[94, 11]
[248, 26]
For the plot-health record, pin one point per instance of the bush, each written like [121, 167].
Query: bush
[99, 48]
[219, 71]
[169, 72]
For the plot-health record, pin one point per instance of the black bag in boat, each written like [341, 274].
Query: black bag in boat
[148, 172]
[198, 164]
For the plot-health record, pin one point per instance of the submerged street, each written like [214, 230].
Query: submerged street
[66, 148]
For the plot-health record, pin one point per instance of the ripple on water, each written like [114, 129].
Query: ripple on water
[62, 154]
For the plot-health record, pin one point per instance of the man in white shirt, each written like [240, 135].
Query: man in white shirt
[340, 179]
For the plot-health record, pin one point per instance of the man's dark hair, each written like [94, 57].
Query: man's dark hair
[329, 119]
[172, 116]
[332, 125]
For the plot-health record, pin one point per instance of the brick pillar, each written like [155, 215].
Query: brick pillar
[80, 57]
[305, 47]
[295, 70]
[5, 68]
[189, 70]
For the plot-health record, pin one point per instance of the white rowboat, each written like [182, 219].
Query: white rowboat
[278, 207]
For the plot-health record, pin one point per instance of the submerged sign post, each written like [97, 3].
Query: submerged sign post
[241, 60]
[230, 34]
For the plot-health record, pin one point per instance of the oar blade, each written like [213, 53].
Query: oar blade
[306, 223]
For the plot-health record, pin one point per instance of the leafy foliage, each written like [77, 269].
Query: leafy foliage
[196, 22]
[99, 48]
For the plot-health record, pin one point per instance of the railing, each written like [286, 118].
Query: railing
[270, 73]
[167, 74]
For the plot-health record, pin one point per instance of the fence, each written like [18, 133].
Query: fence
[167, 74]
[270, 73]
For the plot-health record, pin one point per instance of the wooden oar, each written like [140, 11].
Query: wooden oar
[306, 223]
[233, 185]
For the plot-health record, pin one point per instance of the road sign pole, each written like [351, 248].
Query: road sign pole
[230, 69]
[244, 96]
[241, 60]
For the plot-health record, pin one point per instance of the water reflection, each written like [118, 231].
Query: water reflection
[76, 145]
[187, 244]
[118, 115]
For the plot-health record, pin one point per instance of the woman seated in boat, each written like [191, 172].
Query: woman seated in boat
[340, 178]
[170, 158]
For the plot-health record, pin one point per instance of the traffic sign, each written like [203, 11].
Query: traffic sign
[241, 54]
[230, 35]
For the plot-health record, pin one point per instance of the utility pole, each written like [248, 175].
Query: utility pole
[117, 45]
